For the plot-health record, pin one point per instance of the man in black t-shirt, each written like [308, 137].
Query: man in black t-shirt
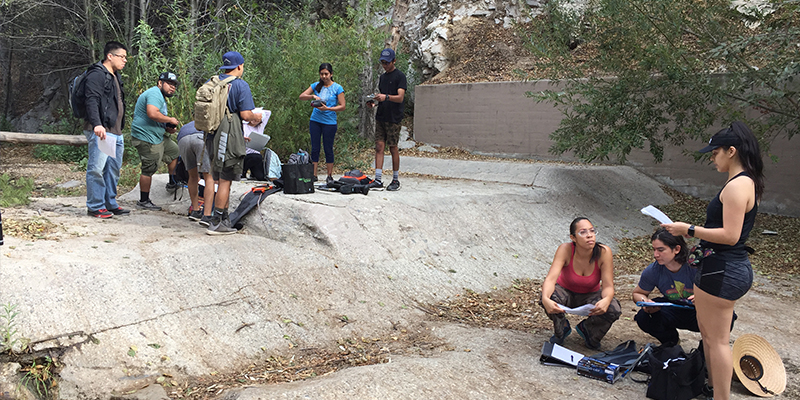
[391, 94]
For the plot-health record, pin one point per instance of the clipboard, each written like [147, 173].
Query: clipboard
[258, 141]
[553, 354]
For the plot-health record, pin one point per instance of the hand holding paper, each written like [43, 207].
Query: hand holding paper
[657, 214]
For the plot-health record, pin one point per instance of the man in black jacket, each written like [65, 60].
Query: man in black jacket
[105, 114]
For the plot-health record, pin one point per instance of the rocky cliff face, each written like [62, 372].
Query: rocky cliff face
[445, 32]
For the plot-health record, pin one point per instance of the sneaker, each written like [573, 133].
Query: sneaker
[119, 211]
[314, 178]
[196, 215]
[376, 184]
[560, 340]
[147, 205]
[394, 185]
[206, 220]
[222, 228]
[582, 334]
[329, 180]
[708, 391]
[171, 186]
[101, 213]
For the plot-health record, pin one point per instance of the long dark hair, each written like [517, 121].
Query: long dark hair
[750, 155]
[672, 241]
[322, 66]
[597, 250]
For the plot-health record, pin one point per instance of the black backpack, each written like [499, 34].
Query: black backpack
[77, 95]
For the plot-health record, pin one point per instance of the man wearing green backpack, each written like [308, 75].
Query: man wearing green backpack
[226, 147]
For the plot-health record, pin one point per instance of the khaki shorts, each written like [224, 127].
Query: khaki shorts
[387, 132]
[153, 154]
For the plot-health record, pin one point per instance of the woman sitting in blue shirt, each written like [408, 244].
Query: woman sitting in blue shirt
[673, 277]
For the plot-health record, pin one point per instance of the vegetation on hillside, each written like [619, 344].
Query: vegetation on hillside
[680, 68]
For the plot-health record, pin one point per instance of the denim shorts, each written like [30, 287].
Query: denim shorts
[729, 279]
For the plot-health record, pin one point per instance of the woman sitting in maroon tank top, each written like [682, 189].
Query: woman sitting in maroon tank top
[575, 279]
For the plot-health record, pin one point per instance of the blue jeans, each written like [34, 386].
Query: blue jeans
[102, 173]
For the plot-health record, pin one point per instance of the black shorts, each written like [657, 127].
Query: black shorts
[727, 278]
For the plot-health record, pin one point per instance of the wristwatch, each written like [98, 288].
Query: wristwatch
[691, 231]
[386, 98]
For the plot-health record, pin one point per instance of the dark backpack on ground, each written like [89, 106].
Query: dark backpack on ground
[675, 375]
[351, 182]
[77, 95]
[355, 177]
[181, 172]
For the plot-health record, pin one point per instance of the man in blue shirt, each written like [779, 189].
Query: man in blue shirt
[241, 105]
[150, 135]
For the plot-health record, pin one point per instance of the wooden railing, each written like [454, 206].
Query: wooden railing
[43, 138]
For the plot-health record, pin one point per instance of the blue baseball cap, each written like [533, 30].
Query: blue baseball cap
[231, 60]
[387, 55]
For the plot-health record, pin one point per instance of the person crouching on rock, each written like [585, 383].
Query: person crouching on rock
[672, 275]
[575, 279]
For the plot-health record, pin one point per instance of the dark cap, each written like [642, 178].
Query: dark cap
[231, 60]
[387, 55]
[168, 77]
[725, 137]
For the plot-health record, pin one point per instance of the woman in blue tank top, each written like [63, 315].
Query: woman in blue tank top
[327, 98]
[724, 274]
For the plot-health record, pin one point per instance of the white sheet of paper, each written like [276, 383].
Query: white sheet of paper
[566, 355]
[108, 146]
[582, 310]
[657, 214]
[265, 114]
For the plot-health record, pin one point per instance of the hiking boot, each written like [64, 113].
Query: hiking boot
[329, 180]
[222, 228]
[376, 184]
[171, 186]
[196, 215]
[147, 205]
[120, 211]
[560, 340]
[101, 213]
[589, 343]
[206, 220]
[394, 185]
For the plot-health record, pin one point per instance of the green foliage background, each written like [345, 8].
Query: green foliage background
[656, 72]
[282, 57]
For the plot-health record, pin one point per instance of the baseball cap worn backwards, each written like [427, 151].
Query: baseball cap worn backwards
[387, 55]
[231, 60]
[168, 77]
[725, 137]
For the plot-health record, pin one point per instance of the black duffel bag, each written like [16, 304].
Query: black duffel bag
[675, 375]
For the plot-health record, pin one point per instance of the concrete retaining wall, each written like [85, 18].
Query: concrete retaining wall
[496, 118]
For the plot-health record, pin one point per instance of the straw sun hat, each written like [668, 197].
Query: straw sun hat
[758, 366]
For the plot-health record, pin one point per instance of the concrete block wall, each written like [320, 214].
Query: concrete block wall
[496, 118]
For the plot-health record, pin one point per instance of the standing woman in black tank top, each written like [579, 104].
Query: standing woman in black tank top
[725, 274]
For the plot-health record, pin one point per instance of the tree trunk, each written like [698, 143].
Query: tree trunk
[398, 16]
[88, 20]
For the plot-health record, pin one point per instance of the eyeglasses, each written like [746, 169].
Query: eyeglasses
[122, 56]
[173, 84]
[586, 232]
